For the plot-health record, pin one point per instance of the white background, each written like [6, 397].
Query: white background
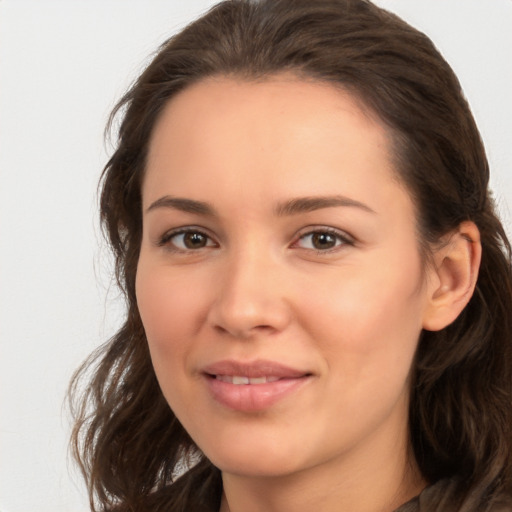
[63, 65]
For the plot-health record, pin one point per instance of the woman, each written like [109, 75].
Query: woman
[318, 288]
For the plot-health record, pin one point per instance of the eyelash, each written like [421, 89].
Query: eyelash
[166, 239]
[342, 239]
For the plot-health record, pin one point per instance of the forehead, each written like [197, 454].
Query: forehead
[282, 135]
[280, 99]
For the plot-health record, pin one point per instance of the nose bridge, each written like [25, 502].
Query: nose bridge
[250, 294]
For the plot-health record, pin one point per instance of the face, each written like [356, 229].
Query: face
[279, 281]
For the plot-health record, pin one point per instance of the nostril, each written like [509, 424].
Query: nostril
[263, 328]
[244, 333]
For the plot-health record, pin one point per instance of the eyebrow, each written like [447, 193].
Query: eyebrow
[184, 205]
[290, 207]
[310, 204]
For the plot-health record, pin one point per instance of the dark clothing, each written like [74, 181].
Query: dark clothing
[440, 497]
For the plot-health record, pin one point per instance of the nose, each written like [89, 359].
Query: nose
[251, 298]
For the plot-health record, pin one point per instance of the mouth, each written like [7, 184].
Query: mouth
[239, 380]
[252, 387]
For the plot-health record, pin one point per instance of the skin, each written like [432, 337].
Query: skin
[254, 286]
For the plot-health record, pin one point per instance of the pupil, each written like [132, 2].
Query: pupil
[194, 240]
[323, 240]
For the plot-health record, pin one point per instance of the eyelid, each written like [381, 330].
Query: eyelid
[165, 239]
[345, 238]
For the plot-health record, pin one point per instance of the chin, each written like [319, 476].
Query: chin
[258, 467]
[257, 459]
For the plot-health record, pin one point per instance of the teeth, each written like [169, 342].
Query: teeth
[241, 380]
[258, 380]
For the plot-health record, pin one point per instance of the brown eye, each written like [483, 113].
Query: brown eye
[186, 240]
[323, 240]
[194, 240]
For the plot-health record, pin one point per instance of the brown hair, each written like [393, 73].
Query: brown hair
[127, 440]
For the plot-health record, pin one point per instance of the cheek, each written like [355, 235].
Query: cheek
[166, 298]
[370, 333]
[171, 314]
[371, 320]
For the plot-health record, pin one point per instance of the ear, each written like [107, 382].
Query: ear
[452, 278]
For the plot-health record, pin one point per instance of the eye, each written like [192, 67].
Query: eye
[323, 240]
[186, 240]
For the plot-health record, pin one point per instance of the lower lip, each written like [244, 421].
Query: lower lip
[253, 397]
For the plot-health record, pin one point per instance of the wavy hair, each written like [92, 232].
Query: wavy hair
[134, 453]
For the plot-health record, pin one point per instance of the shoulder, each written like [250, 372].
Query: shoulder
[445, 496]
[501, 504]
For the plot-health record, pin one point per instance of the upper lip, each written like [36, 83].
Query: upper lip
[254, 369]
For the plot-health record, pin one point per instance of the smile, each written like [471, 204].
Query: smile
[238, 380]
[254, 386]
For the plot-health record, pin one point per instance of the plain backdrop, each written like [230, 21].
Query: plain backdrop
[63, 65]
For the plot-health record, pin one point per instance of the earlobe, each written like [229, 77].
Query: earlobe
[453, 277]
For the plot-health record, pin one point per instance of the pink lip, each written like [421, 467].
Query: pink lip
[253, 397]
